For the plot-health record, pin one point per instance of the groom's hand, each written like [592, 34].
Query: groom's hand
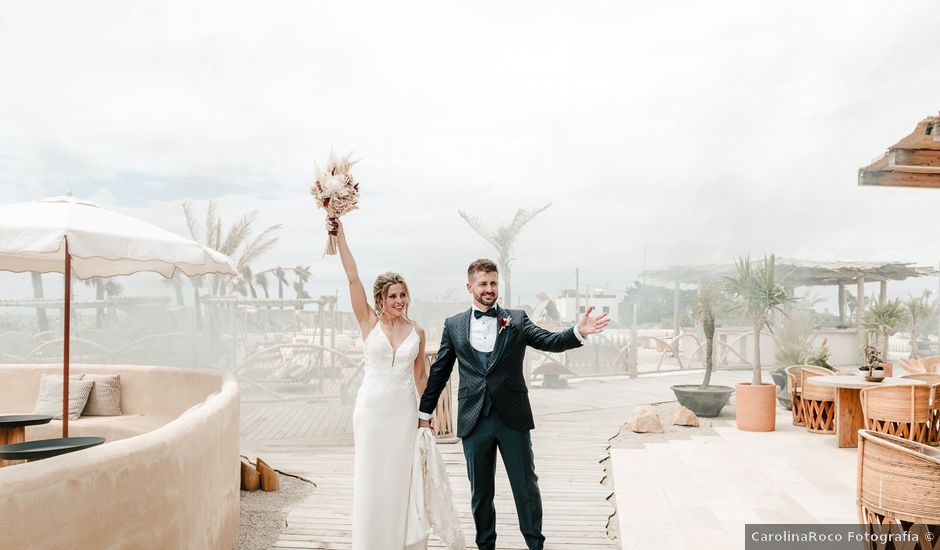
[589, 325]
[426, 423]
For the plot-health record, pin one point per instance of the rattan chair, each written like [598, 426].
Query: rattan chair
[911, 366]
[796, 389]
[931, 363]
[819, 402]
[934, 380]
[903, 411]
[898, 482]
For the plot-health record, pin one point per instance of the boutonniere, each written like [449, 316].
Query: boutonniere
[504, 322]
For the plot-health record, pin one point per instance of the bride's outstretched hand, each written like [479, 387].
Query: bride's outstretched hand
[590, 325]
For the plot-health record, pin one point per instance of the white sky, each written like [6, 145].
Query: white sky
[701, 130]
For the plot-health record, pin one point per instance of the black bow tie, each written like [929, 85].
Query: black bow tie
[488, 313]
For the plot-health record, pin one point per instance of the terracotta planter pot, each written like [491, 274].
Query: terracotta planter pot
[889, 369]
[755, 407]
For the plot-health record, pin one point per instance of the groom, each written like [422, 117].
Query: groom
[494, 413]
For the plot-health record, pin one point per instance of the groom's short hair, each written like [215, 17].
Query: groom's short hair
[484, 265]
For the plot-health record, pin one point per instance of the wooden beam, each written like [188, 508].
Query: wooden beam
[917, 157]
[887, 178]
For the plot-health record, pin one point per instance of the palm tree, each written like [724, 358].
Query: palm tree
[502, 240]
[705, 399]
[99, 297]
[303, 275]
[38, 294]
[708, 304]
[281, 275]
[245, 279]
[176, 281]
[112, 289]
[236, 243]
[262, 280]
[917, 309]
[757, 294]
[882, 318]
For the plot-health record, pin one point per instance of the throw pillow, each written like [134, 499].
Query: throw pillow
[105, 398]
[50, 396]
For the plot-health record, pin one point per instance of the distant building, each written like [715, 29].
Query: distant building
[602, 302]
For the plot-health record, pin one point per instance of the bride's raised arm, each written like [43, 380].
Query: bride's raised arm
[365, 315]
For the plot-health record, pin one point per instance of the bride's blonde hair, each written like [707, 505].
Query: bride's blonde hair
[380, 291]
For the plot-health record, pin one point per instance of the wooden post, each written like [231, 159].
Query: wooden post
[66, 333]
[860, 308]
[883, 290]
[675, 309]
[269, 479]
[445, 426]
[632, 370]
[841, 304]
[333, 329]
[251, 479]
[577, 294]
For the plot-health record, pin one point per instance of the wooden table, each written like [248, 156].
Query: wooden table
[13, 430]
[849, 418]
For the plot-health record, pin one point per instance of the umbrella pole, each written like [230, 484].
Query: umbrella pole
[67, 321]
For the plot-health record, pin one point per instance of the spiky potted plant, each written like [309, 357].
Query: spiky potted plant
[757, 294]
[883, 318]
[705, 399]
[794, 339]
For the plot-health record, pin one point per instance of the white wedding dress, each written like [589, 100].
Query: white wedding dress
[385, 422]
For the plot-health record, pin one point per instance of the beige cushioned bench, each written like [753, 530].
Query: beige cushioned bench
[167, 476]
[150, 398]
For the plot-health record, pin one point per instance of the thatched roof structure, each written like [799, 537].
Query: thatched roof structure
[799, 272]
[912, 162]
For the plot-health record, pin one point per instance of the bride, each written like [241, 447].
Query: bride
[385, 418]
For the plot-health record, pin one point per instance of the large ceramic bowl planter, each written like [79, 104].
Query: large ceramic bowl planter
[704, 401]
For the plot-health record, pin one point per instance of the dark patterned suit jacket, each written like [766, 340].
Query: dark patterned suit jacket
[502, 377]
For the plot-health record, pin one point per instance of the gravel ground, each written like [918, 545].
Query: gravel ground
[263, 515]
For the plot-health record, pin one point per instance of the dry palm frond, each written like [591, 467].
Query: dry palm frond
[238, 232]
[213, 228]
[478, 226]
[232, 242]
[191, 221]
[259, 245]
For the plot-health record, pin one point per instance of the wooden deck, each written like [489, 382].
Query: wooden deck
[573, 426]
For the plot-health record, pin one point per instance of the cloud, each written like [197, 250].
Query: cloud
[693, 131]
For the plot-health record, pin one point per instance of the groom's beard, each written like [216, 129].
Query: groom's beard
[487, 299]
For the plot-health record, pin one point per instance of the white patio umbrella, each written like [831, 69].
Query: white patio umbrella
[71, 236]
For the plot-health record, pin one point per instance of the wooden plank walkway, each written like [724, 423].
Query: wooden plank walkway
[573, 426]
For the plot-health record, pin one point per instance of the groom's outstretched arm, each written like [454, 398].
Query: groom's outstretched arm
[438, 376]
[546, 340]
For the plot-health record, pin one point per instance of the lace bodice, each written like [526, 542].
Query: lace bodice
[385, 366]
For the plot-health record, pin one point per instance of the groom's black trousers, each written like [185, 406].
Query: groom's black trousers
[515, 447]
